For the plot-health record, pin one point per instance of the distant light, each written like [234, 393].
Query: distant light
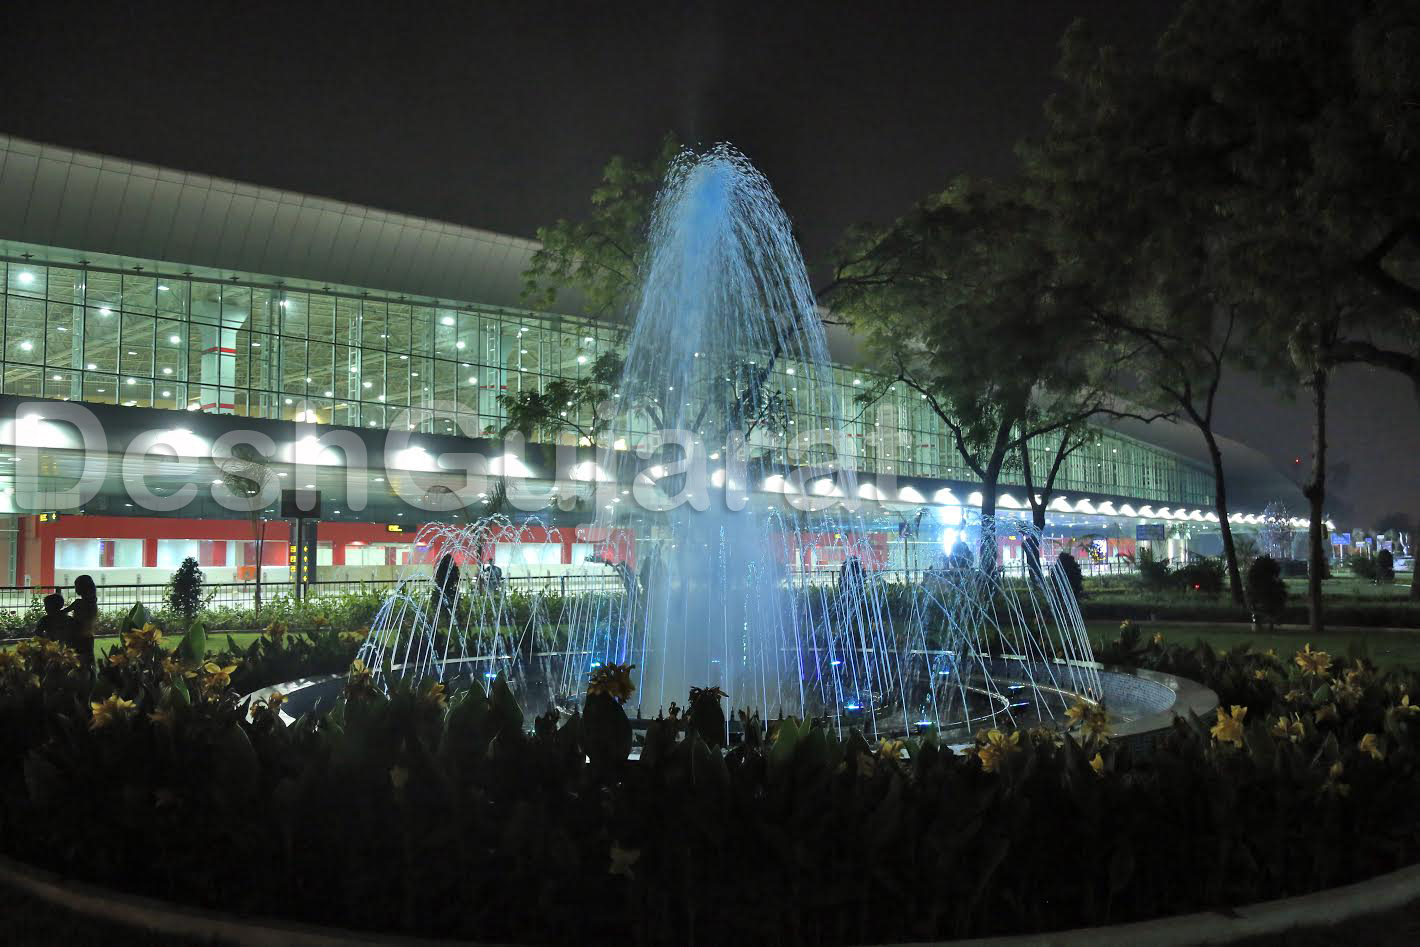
[447, 320]
[581, 359]
[166, 371]
[26, 277]
[789, 371]
[91, 366]
[473, 381]
[330, 394]
[167, 394]
[131, 381]
[369, 384]
[27, 346]
[57, 377]
[310, 486]
[589, 340]
[105, 311]
[162, 288]
[460, 344]
[175, 339]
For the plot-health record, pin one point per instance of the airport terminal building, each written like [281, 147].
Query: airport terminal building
[169, 301]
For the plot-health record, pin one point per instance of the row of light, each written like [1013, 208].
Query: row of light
[309, 450]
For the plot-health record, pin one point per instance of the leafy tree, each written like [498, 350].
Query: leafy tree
[185, 589]
[1385, 566]
[246, 475]
[1116, 175]
[600, 256]
[960, 297]
[1402, 528]
[576, 404]
[1266, 590]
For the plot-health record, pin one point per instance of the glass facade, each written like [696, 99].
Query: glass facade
[252, 347]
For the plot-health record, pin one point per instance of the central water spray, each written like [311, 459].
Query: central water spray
[734, 484]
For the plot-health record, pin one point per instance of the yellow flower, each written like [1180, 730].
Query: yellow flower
[1229, 728]
[1092, 717]
[1097, 764]
[613, 680]
[118, 659]
[8, 660]
[891, 749]
[360, 682]
[138, 640]
[217, 676]
[354, 637]
[1259, 675]
[276, 631]
[275, 699]
[399, 776]
[1313, 662]
[435, 695]
[1405, 707]
[1371, 744]
[109, 710]
[1270, 652]
[1325, 713]
[1126, 625]
[1292, 730]
[1158, 637]
[1294, 696]
[320, 621]
[1333, 786]
[998, 746]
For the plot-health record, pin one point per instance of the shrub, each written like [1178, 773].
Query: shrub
[1070, 569]
[1385, 566]
[1304, 779]
[1153, 573]
[1202, 576]
[1266, 590]
[185, 590]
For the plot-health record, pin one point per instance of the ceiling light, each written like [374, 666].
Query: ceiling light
[26, 277]
[174, 339]
[27, 346]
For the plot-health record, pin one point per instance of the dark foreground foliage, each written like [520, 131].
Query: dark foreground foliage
[435, 813]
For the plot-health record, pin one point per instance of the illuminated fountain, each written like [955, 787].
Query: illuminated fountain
[726, 384]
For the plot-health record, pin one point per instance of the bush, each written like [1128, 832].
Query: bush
[1153, 573]
[1070, 569]
[1385, 566]
[1202, 576]
[1305, 779]
[1266, 590]
[185, 590]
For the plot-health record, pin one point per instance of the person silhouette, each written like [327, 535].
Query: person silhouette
[84, 612]
[54, 624]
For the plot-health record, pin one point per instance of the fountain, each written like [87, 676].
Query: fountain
[725, 390]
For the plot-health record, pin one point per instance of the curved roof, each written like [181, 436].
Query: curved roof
[141, 213]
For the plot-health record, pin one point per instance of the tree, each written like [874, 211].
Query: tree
[1402, 528]
[247, 476]
[960, 296]
[1117, 176]
[576, 404]
[185, 589]
[1266, 590]
[600, 256]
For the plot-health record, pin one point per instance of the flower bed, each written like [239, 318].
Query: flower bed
[435, 813]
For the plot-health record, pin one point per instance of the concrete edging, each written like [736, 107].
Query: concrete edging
[1317, 910]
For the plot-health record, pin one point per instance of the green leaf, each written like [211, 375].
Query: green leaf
[137, 617]
[193, 647]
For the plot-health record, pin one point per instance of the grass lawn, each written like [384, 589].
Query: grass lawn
[1389, 649]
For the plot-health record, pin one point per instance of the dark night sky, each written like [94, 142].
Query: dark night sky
[500, 115]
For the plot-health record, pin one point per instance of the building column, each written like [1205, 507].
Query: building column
[219, 366]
